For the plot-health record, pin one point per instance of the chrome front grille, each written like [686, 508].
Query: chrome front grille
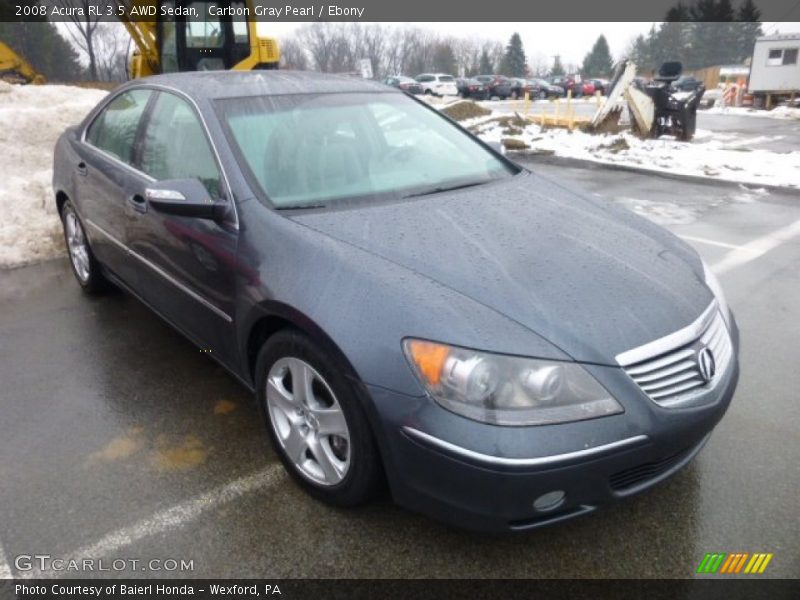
[672, 373]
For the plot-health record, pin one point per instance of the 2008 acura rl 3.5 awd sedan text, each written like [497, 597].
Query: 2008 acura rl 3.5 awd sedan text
[407, 304]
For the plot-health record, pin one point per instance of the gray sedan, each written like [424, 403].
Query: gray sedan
[409, 307]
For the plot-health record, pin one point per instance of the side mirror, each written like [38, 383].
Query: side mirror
[184, 197]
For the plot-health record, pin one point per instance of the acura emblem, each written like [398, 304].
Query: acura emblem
[706, 364]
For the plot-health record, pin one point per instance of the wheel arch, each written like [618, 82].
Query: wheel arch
[61, 199]
[271, 317]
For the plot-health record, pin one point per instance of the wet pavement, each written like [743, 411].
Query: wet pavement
[120, 440]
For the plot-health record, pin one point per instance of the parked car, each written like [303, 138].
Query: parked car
[545, 89]
[601, 85]
[407, 84]
[711, 98]
[465, 327]
[687, 83]
[438, 84]
[499, 86]
[569, 83]
[520, 87]
[472, 88]
[587, 88]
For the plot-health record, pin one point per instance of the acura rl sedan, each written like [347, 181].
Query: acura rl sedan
[408, 306]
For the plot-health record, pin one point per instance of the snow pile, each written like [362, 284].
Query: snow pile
[779, 112]
[31, 119]
[709, 155]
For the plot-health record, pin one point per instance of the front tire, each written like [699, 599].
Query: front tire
[84, 265]
[315, 420]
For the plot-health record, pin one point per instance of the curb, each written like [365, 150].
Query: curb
[566, 161]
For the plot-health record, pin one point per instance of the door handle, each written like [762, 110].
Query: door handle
[138, 203]
[82, 169]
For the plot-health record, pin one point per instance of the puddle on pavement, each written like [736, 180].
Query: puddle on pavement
[119, 448]
[224, 407]
[188, 454]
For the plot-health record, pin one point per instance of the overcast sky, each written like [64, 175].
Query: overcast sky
[571, 40]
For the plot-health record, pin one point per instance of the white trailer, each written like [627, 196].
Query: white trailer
[775, 68]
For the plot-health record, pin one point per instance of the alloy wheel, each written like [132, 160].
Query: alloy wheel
[308, 421]
[77, 246]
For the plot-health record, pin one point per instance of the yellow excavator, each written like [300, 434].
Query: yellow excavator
[195, 35]
[15, 69]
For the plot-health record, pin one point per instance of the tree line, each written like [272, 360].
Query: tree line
[703, 34]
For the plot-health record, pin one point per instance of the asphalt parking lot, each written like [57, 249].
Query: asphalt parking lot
[120, 440]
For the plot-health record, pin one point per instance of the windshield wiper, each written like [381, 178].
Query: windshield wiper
[444, 188]
[301, 206]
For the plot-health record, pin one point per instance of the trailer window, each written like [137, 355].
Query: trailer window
[778, 57]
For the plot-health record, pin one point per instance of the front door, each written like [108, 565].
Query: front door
[188, 265]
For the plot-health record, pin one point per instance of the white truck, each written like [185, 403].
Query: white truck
[775, 69]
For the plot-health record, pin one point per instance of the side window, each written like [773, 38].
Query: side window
[790, 56]
[175, 145]
[114, 129]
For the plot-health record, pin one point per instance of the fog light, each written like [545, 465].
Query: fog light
[550, 500]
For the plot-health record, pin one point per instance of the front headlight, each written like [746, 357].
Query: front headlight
[713, 284]
[507, 390]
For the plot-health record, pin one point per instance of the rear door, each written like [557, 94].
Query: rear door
[188, 265]
[107, 179]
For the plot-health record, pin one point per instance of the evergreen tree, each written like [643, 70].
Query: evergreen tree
[675, 35]
[485, 66]
[558, 68]
[40, 43]
[713, 39]
[598, 63]
[513, 63]
[748, 28]
[707, 33]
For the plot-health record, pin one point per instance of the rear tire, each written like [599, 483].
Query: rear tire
[318, 428]
[81, 258]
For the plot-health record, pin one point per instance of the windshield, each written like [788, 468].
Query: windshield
[319, 149]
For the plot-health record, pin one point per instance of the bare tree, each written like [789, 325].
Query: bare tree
[112, 46]
[538, 64]
[82, 26]
[326, 45]
[293, 55]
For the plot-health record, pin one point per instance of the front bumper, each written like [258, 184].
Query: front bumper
[485, 477]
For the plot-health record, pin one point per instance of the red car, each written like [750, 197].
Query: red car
[588, 88]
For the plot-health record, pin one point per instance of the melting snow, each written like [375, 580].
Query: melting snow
[31, 119]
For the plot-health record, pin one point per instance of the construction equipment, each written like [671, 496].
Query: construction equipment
[657, 107]
[15, 69]
[195, 35]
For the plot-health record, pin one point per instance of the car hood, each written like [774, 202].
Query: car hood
[593, 279]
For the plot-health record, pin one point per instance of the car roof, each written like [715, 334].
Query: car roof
[211, 85]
